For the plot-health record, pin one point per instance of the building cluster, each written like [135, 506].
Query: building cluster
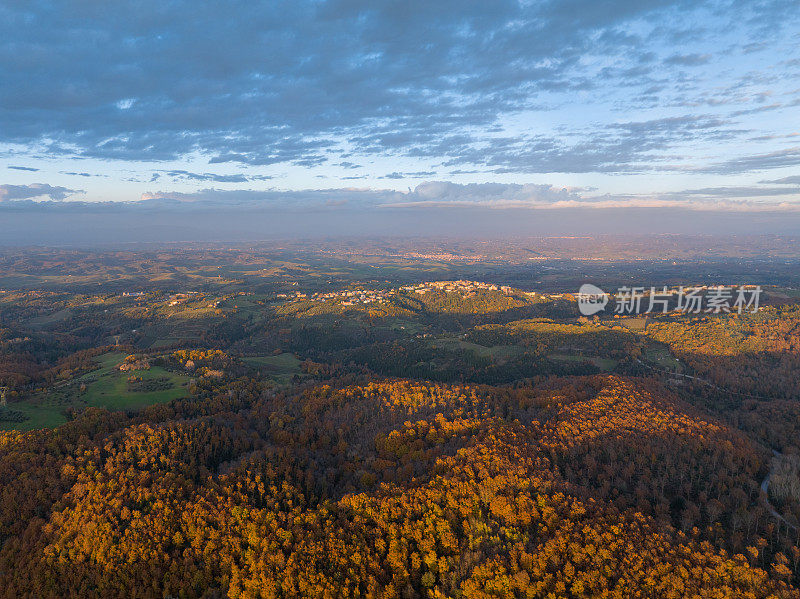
[446, 256]
[466, 287]
[351, 297]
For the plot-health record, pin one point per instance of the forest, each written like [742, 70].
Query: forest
[209, 422]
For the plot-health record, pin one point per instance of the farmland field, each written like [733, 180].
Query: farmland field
[105, 387]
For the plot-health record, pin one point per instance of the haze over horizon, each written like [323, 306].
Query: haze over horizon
[227, 120]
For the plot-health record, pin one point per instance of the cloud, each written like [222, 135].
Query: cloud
[740, 192]
[24, 168]
[793, 180]
[492, 196]
[239, 178]
[36, 190]
[76, 174]
[408, 175]
[511, 196]
[299, 201]
[212, 177]
[307, 83]
[431, 194]
[487, 195]
[782, 194]
[622, 147]
[757, 162]
[688, 60]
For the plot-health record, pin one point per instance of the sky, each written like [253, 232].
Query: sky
[389, 106]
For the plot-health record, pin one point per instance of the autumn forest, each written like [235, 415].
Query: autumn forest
[393, 422]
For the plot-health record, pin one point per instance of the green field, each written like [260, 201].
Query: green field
[662, 358]
[106, 387]
[40, 415]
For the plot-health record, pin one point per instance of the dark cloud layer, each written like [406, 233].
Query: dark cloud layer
[494, 196]
[433, 208]
[294, 81]
[37, 190]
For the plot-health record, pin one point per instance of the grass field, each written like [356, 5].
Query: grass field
[40, 415]
[662, 358]
[106, 387]
[109, 389]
